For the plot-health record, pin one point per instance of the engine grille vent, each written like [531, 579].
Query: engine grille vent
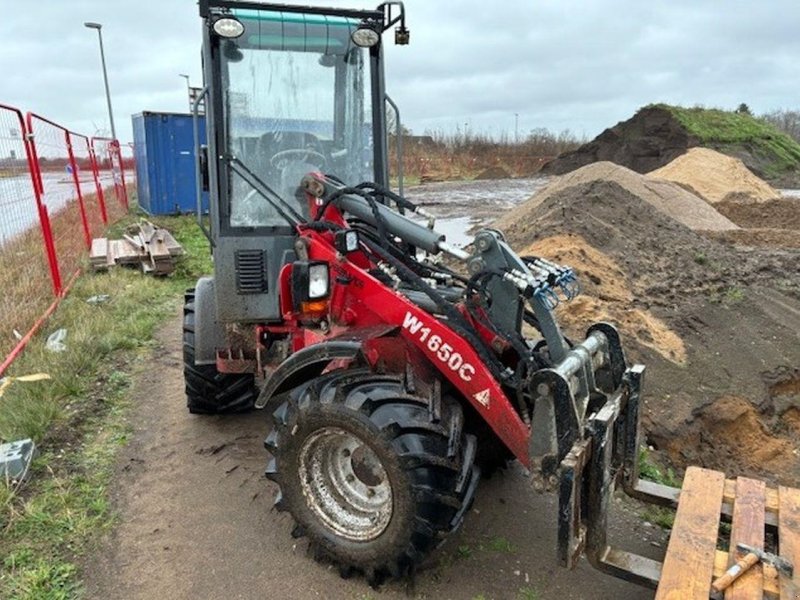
[251, 271]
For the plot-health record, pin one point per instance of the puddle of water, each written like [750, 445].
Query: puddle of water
[455, 230]
[459, 206]
[510, 191]
[790, 193]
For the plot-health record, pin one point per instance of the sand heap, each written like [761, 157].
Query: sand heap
[669, 198]
[606, 296]
[715, 177]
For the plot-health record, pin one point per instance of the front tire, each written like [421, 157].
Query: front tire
[369, 473]
[207, 390]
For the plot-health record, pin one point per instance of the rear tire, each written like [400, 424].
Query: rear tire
[207, 390]
[370, 475]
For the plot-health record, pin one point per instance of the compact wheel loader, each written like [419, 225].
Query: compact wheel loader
[396, 367]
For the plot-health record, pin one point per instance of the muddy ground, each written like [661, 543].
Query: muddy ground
[196, 521]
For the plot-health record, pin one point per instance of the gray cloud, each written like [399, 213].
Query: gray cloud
[577, 64]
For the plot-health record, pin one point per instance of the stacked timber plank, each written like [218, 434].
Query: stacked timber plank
[765, 518]
[143, 245]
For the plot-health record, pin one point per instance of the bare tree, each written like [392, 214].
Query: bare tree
[787, 121]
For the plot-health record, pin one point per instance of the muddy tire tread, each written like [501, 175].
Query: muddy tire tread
[437, 459]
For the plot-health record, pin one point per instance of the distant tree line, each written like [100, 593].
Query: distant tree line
[787, 121]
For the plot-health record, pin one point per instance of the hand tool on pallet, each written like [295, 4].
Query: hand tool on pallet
[750, 557]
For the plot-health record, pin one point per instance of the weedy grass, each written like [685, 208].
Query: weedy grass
[648, 469]
[528, 593]
[659, 515]
[78, 417]
[498, 544]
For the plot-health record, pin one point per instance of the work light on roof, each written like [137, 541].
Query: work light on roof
[365, 36]
[228, 27]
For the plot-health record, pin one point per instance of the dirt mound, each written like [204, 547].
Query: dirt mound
[736, 313]
[649, 140]
[764, 238]
[496, 172]
[783, 213]
[664, 259]
[669, 198]
[606, 296]
[715, 176]
[732, 431]
[772, 223]
[658, 134]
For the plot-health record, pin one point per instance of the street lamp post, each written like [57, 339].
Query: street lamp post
[188, 89]
[98, 27]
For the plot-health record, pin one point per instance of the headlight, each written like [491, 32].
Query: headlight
[346, 241]
[318, 281]
[228, 27]
[365, 36]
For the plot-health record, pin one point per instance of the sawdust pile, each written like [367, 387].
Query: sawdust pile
[606, 296]
[715, 177]
[669, 198]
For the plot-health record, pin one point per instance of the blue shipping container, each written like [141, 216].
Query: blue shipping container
[165, 162]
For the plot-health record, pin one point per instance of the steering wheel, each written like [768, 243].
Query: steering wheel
[279, 159]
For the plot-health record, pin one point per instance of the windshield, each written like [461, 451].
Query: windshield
[296, 99]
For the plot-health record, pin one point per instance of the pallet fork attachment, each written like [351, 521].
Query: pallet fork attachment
[607, 456]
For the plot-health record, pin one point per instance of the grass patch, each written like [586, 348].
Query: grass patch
[727, 131]
[498, 544]
[528, 593]
[728, 295]
[733, 295]
[659, 515]
[78, 418]
[649, 470]
[463, 552]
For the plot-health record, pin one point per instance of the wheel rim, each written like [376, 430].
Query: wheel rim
[345, 484]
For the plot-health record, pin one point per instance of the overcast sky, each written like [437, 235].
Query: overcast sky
[576, 64]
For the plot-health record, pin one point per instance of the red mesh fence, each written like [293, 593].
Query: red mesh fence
[55, 186]
[109, 176]
[128, 169]
[60, 194]
[89, 187]
[25, 277]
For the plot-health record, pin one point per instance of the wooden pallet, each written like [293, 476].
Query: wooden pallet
[693, 558]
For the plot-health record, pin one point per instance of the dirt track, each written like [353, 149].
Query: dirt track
[196, 521]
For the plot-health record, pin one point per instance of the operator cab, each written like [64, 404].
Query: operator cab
[295, 99]
[289, 92]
